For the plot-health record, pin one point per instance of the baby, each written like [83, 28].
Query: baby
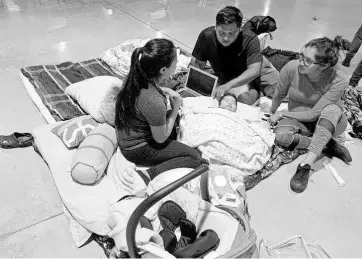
[228, 102]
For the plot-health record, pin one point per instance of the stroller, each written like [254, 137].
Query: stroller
[243, 241]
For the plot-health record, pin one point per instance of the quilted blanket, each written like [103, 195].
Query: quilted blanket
[119, 57]
[226, 137]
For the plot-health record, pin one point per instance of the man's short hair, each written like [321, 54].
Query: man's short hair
[228, 15]
[227, 94]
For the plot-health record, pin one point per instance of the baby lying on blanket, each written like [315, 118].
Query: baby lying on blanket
[228, 102]
[223, 135]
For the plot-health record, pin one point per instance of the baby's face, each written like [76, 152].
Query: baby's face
[228, 103]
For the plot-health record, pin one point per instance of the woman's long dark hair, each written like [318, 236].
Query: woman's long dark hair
[146, 63]
[328, 50]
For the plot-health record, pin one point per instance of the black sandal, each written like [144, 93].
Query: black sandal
[16, 140]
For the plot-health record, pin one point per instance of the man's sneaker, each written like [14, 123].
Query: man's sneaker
[299, 181]
[334, 149]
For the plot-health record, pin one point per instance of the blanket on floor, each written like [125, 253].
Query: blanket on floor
[50, 82]
[119, 57]
[226, 137]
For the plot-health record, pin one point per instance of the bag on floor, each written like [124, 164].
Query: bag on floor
[261, 24]
[293, 247]
[278, 57]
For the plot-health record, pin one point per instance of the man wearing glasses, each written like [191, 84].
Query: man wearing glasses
[234, 55]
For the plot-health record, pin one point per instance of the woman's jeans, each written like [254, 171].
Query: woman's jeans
[163, 157]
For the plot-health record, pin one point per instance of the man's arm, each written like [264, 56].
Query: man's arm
[253, 60]
[249, 75]
[198, 63]
[199, 57]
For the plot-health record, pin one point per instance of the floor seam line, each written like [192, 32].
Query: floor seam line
[134, 17]
[9, 234]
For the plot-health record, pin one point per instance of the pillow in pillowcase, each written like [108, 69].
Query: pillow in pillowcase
[97, 96]
[72, 132]
[93, 155]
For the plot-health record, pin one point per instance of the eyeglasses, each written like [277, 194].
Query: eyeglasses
[307, 61]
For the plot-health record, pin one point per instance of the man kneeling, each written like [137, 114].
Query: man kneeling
[234, 55]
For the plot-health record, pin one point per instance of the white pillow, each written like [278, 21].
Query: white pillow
[97, 96]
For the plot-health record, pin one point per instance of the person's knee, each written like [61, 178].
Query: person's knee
[285, 128]
[248, 98]
[195, 156]
[331, 110]
[330, 116]
[284, 138]
[285, 135]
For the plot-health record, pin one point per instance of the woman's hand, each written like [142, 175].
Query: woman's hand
[176, 101]
[175, 98]
[167, 91]
[275, 118]
[125, 179]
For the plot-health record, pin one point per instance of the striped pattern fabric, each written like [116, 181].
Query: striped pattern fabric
[50, 82]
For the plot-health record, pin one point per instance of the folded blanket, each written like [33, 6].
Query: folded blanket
[226, 137]
[119, 57]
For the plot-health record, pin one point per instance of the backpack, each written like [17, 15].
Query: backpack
[261, 24]
[278, 57]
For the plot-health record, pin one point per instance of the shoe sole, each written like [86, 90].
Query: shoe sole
[12, 147]
[348, 155]
[297, 190]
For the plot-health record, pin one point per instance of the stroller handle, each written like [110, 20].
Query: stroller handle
[152, 200]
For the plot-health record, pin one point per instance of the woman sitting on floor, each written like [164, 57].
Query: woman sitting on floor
[315, 85]
[145, 132]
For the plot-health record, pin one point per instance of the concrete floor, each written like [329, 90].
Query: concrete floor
[47, 31]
